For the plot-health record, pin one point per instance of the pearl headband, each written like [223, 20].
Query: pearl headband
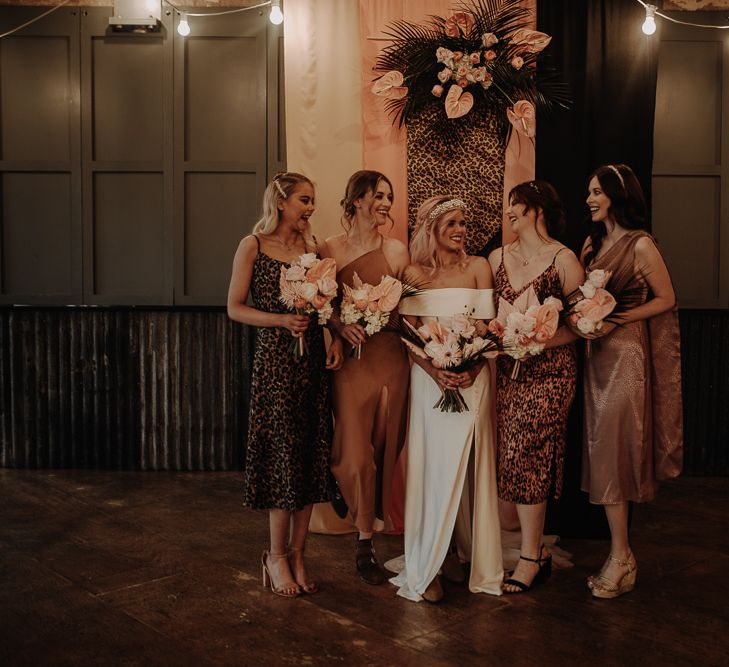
[449, 205]
[618, 174]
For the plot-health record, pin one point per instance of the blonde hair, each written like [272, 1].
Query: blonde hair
[280, 187]
[427, 222]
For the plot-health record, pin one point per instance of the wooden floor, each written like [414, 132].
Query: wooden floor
[110, 568]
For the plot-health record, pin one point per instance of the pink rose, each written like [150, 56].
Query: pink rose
[475, 58]
[488, 40]
[490, 55]
[444, 75]
[319, 301]
[517, 62]
[327, 286]
[533, 41]
[523, 117]
[457, 55]
[437, 90]
[295, 272]
[443, 55]
[462, 82]
[460, 23]
[488, 79]
[461, 72]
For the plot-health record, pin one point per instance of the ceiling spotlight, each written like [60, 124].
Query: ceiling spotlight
[183, 27]
[276, 15]
[649, 25]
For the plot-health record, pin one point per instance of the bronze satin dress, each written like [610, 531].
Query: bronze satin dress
[633, 429]
[364, 472]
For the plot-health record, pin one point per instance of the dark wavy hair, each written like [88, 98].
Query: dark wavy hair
[358, 185]
[536, 195]
[627, 203]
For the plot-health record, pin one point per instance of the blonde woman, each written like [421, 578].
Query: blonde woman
[440, 443]
[289, 426]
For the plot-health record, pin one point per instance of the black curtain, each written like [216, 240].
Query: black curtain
[610, 67]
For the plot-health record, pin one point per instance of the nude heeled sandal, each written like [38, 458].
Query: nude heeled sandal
[287, 590]
[310, 586]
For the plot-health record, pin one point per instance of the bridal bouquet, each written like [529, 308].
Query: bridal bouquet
[450, 344]
[370, 305]
[525, 326]
[596, 303]
[308, 286]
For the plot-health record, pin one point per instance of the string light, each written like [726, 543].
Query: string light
[183, 27]
[649, 25]
[651, 11]
[276, 15]
[274, 4]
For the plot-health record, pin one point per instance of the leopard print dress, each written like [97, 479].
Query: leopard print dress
[290, 423]
[532, 411]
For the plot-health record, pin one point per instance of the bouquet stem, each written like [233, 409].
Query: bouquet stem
[451, 401]
[356, 352]
[298, 344]
[516, 370]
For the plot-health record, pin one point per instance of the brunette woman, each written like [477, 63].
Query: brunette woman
[532, 407]
[633, 433]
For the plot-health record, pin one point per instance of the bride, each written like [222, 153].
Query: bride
[440, 503]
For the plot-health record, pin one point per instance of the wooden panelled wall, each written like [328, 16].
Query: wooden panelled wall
[168, 390]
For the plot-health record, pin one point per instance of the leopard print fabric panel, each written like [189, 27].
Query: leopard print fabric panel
[473, 172]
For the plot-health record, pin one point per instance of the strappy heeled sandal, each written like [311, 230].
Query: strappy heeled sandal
[288, 590]
[365, 560]
[543, 573]
[605, 588]
[308, 587]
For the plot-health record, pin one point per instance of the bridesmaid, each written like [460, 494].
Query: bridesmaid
[370, 392]
[440, 444]
[531, 411]
[633, 417]
[289, 427]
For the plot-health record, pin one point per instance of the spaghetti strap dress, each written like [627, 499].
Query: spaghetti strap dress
[290, 424]
[532, 411]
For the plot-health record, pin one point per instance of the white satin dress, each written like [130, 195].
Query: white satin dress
[442, 495]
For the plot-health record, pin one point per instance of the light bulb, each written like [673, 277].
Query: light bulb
[649, 25]
[276, 15]
[183, 27]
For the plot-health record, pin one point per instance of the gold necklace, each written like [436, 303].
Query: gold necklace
[525, 260]
[288, 246]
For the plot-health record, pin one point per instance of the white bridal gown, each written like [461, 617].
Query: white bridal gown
[439, 488]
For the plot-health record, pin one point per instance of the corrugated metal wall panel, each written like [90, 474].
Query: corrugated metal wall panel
[122, 389]
[168, 390]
